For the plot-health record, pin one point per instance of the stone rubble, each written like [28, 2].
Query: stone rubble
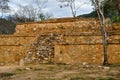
[42, 49]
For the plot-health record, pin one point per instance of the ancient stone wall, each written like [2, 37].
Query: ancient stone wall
[67, 40]
[13, 48]
[86, 49]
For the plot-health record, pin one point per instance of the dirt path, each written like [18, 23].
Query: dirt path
[60, 72]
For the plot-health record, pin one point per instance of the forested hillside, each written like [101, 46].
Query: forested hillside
[6, 26]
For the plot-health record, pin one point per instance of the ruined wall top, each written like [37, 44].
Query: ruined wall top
[58, 25]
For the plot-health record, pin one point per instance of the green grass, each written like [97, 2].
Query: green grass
[17, 71]
[3, 75]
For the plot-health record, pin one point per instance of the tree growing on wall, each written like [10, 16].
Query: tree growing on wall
[98, 4]
[4, 8]
[72, 4]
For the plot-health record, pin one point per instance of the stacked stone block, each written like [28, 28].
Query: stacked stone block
[13, 48]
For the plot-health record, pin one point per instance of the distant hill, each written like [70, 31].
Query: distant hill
[7, 27]
[93, 14]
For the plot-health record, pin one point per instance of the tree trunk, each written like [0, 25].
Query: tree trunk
[72, 10]
[104, 37]
[118, 6]
[104, 40]
[103, 30]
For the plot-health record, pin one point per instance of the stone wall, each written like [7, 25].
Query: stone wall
[67, 40]
[13, 48]
[78, 49]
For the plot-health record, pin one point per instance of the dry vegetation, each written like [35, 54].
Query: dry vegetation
[60, 72]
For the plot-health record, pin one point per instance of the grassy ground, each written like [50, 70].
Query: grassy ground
[60, 72]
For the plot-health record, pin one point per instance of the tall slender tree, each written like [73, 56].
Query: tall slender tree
[72, 4]
[98, 4]
[4, 8]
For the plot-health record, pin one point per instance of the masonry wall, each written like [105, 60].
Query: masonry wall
[13, 48]
[86, 49]
[67, 40]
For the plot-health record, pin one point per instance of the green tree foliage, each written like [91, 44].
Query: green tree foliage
[43, 16]
[111, 9]
[7, 27]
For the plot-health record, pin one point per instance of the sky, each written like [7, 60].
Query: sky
[53, 7]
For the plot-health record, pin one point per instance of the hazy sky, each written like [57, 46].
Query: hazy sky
[52, 6]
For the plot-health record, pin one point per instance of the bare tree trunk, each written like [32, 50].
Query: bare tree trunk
[103, 30]
[72, 9]
[104, 39]
[73, 12]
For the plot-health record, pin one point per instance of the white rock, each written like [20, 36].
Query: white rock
[27, 68]
[84, 63]
[106, 68]
[87, 66]
[100, 66]
[34, 29]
